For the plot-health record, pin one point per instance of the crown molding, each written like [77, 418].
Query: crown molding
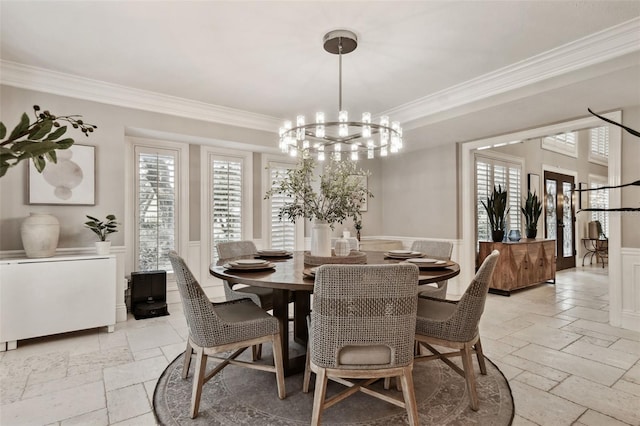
[593, 49]
[43, 80]
[596, 48]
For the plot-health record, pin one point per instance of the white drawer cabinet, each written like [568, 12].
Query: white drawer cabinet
[39, 297]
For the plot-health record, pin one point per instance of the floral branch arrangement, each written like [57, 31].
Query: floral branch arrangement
[341, 193]
[38, 140]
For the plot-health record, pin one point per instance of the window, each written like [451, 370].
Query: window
[492, 172]
[155, 207]
[563, 143]
[226, 201]
[599, 145]
[281, 233]
[599, 200]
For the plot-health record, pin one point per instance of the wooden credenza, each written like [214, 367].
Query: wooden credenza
[521, 264]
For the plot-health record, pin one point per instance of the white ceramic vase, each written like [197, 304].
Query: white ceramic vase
[321, 239]
[103, 247]
[40, 232]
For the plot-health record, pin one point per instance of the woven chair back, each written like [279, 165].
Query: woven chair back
[435, 249]
[364, 305]
[235, 249]
[471, 306]
[203, 321]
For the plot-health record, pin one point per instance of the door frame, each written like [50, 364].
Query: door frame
[574, 175]
[467, 194]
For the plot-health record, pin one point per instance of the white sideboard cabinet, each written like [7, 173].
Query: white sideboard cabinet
[39, 297]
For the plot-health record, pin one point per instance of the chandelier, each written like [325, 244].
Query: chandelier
[323, 138]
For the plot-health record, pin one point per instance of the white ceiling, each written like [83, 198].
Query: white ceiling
[267, 58]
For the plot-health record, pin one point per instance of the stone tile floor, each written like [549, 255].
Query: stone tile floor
[565, 364]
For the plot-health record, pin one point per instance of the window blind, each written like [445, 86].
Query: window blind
[226, 199]
[155, 208]
[564, 143]
[599, 143]
[600, 200]
[493, 172]
[283, 232]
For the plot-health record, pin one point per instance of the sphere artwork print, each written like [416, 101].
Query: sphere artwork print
[63, 175]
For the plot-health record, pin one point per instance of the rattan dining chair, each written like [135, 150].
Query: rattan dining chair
[440, 250]
[262, 297]
[221, 327]
[454, 324]
[362, 327]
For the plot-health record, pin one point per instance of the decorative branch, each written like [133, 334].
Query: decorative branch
[38, 140]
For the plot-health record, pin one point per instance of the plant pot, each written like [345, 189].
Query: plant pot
[321, 239]
[103, 247]
[497, 235]
[532, 232]
[40, 233]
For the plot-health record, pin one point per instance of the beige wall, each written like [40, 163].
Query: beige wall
[109, 139]
[420, 194]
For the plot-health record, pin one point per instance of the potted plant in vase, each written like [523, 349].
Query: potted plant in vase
[531, 211]
[497, 210]
[102, 229]
[340, 196]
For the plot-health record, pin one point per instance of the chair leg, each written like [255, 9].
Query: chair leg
[277, 361]
[187, 361]
[256, 352]
[469, 375]
[306, 379]
[319, 396]
[198, 381]
[480, 356]
[409, 394]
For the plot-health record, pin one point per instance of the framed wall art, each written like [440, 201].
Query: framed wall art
[69, 181]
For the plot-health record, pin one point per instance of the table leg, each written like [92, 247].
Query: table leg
[281, 312]
[302, 307]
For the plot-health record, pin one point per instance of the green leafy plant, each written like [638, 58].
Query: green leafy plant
[38, 140]
[340, 195]
[496, 207]
[532, 210]
[102, 228]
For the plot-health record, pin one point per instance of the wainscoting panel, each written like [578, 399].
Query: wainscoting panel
[630, 288]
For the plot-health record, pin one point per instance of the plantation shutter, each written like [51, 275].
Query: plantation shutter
[600, 200]
[156, 221]
[226, 218]
[493, 172]
[599, 145]
[283, 232]
[564, 143]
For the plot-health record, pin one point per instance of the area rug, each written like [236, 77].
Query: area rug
[241, 396]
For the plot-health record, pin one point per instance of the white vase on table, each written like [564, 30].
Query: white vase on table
[103, 248]
[321, 239]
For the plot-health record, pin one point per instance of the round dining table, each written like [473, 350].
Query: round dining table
[291, 281]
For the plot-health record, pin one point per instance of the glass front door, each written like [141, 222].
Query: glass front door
[560, 217]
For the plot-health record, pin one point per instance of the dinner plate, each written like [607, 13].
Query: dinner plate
[249, 268]
[309, 272]
[422, 260]
[440, 264]
[400, 251]
[272, 251]
[248, 262]
[405, 255]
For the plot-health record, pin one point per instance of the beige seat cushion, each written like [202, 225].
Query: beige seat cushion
[365, 355]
